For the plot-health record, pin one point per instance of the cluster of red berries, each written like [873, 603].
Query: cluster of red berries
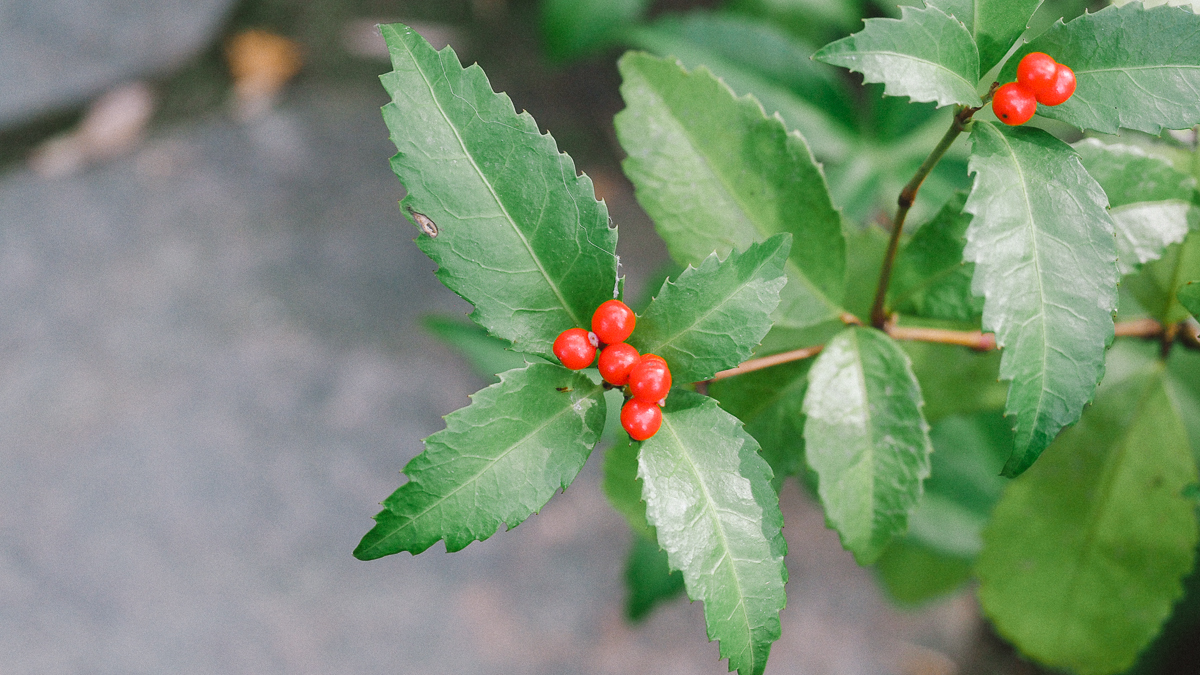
[646, 376]
[1039, 80]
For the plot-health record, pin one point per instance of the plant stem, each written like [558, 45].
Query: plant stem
[979, 341]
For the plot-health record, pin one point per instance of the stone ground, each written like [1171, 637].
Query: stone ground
[211, 372]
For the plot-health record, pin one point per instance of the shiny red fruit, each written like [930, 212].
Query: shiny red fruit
[650, 379]
[641, 419]
[574, 348]
[1036, 73]
[613, 322]
[1060, 89]
[616, 361]
[1014, 104]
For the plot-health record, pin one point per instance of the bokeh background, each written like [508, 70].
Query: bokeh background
[215, 354]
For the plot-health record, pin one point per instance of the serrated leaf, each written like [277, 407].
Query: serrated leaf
[623, 488]
[649, 579]
[1150, 201]
[513, 229]
[924, 55]
[830, 137]
[930, 278]
[713, 316]
[1084, 555]
[708, 493]
[498, 460]
[995, 24]
[1135, 68]
[866, 439]
[770, 402]
[1189, 296]
[1045, 263]
[488, 355]
[1156, 284]
[716, 174]
[777, 58]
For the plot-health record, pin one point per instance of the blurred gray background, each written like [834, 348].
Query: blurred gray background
[212, 369]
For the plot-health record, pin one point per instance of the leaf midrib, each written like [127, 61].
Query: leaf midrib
[870, 426]
[1037, 266]
[711, 510]
[884, 52]
[713, 308]
[518, 443]
[732, 194]
[487, 183]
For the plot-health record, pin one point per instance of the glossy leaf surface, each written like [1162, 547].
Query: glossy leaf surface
[995, 24]
[708, 493]
[771, 404]
[1135, 68]
[716, 174]
[1045, 263]
[1085, 553]
[924, 55]
[930, 279]
[713, 316]
[866, 439]
[1149, 200]
[518, 234]
[498, 460]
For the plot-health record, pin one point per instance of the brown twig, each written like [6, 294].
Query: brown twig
[1143, 328]
[976, 340]
[768, 361]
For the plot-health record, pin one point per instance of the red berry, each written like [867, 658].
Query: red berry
[650, 379]
[574, 349]
[1036, 73]
[641, 419]
[1013, 104]
[613, 322]
[616, 361]
[1060, 89]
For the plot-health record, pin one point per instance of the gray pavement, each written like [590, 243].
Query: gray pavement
[211, 372]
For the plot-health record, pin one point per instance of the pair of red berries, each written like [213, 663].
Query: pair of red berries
[1039, 80]
[646, 375]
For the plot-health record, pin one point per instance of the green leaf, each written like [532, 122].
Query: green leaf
[1156, 285]
[930, 279]
[1084, 555]
[924, 55]
[498, 460]
[572, 28]
[488, 355]
[1150, 201]
[777, 58]
[518, 234]
[964, 484]
[1135, 68]
[913, 574]
[716, 174]
[623, 487]
[708, 494]
[995, 24]
[770, 402]
[1045, 263]
[866, 439]
[955, 380]
[1189, 296]
[649, 579]
[713, 316]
